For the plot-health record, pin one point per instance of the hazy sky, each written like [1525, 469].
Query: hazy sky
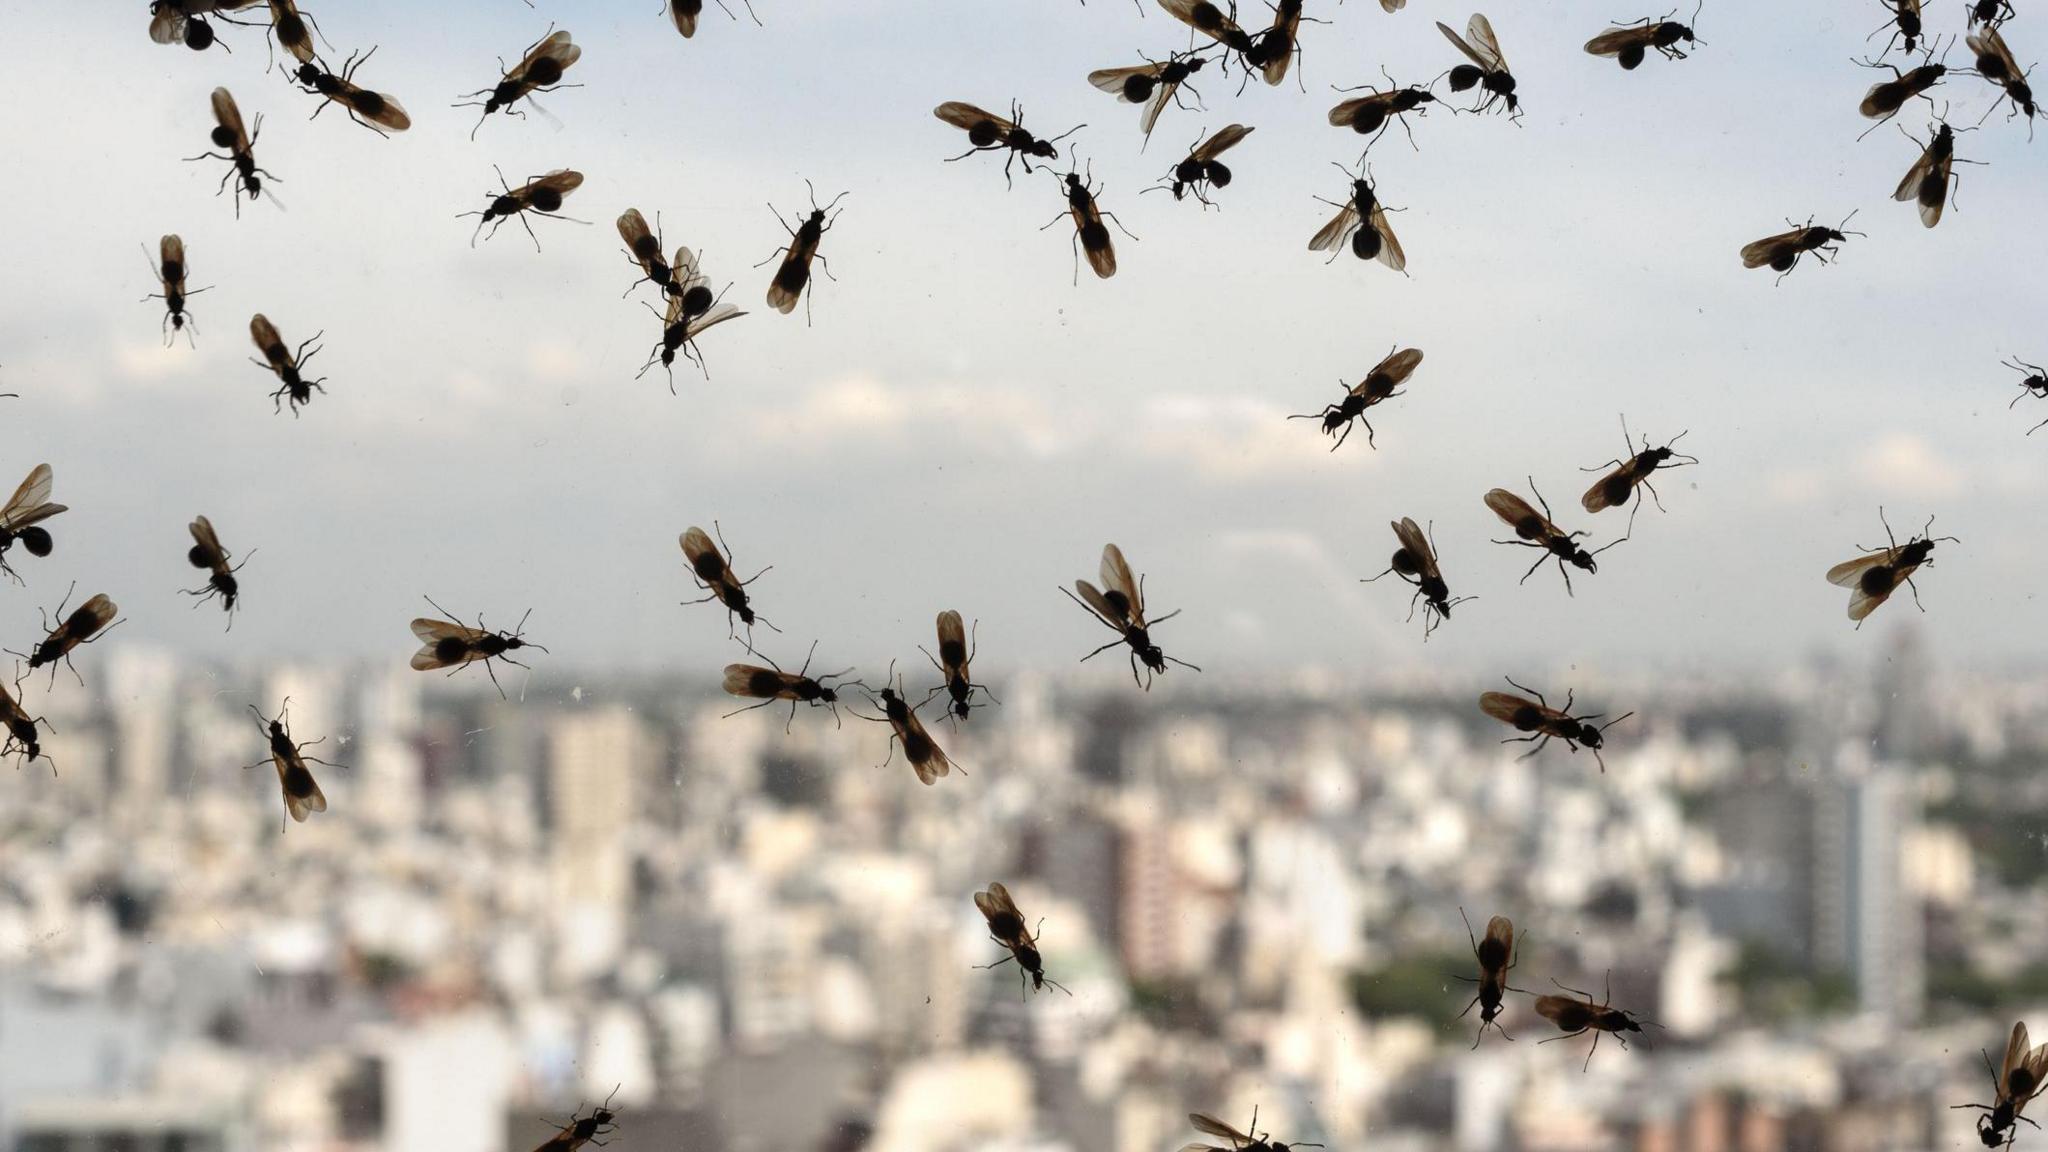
[962, 426]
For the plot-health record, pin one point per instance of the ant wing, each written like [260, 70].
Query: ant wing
[556, 47]
[967, 117]
[1596, 499]
[1390, 247]
[1502, 929]
[264, 335]
[746, 680]
[1342, 115]
[1848, 573]
[1863, 603]
[1116, 577]
[1504, 707]
[170, 250]
[1393, 5]
[432, 633]
[1470, 52]
[1337, 231]
[1397, 367]
[1111, 80]
[685, 16]
[934, 764]
[30, 502]
[202, 532]
[97, 613]
[1203, 17]
[1100, 605]
[1556, 1008]
[1515, 511]
[1615, 41]
[1409, 533]
[1481, 32]
[1160, 99]
[1225, 138]
[561, 181]
[716, 316]
[952, 635]
[697, 546]
[1767, 250]
[1987, 42]
[996, 902]
[1204, 1122]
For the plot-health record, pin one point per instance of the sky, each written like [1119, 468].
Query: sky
[961, 425]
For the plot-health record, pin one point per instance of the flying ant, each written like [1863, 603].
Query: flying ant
[1496, 956]
[1877, 574]
[2018, 1079]
[1369, 115]
[685, 12]
[1886, 97]
[1991, 13]
[206, 552]
[239, 150]
[540, 70]
[1783, 250]
[793, 275]
[1489, 67]
[1253, 1141]
[1928, 181]
[1541, 532]
[21, 732]
[1628, 43]
[1995, 63]
[184, 21]
[373, 110]
[581, 1130]
[691, 309]
[1201, 169]
[169, 268]
[771, 684]
[955, 657]
[291, 27]
[2035, 383]
[1575, 1017]
[1544, 723]
[1120, 605]
[926, 758]
[1904, 24]
[540, 195]
[1154, 84]
[302, 793]
[1090, 232]
[1006, 927]
[643, 246]
[85, 625]
[454, 646]
[708, 567]
[20, 516]
[1213, 22]
[1415, 563]
[1362, 220]
[988, 132]
[1276, 47]
[1631, 475]
[293, 388]
[1379, 384]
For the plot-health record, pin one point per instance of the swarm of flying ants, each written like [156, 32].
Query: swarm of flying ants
[1217, 44]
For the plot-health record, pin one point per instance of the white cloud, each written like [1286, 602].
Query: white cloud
[1906, 464]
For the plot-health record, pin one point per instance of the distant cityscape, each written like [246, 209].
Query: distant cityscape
[1820, 884]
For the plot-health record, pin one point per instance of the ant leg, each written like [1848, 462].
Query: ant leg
[1101, 650]
[1534, 567]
